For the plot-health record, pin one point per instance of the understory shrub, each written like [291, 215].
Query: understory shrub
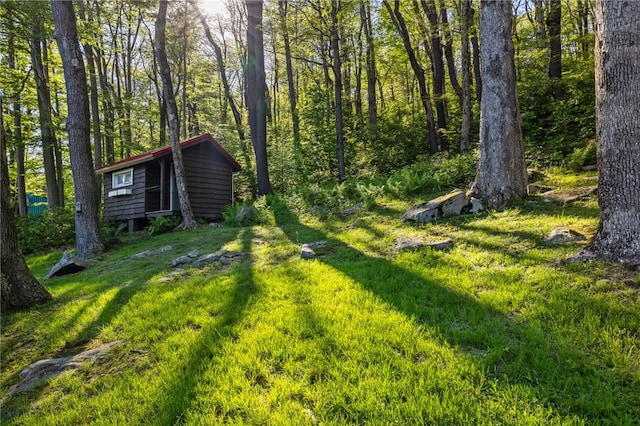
[112, 230]
[52, 229]
[162, 224]
[581, 157]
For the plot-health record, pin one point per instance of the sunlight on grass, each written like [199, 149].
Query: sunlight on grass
[491, 331]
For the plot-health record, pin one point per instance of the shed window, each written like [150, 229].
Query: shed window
[122, 178]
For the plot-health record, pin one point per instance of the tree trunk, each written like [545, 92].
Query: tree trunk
[337, 85]
[554, 20]
[47, 132]
[228, 96]
[465, 23]
[293, 98]
[256, 92]
[87, 195]
[372, 75]
[618, 131]
[448, 51]
[18, 287]
[502, 174]
[188, 220]
[476, 57]
[95, 106]
[429, 7]
[401, 27]
[17, 126]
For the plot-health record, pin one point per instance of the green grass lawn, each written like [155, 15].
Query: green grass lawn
[492, 331]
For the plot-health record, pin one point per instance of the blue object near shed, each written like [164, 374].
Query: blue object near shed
[36, 204]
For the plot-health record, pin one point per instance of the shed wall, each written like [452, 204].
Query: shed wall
[124, 207]
[209, 179]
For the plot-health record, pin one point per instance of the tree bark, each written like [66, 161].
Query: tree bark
[18, 287]
[47, 132]
[372, 74]
[465, 23]
[502, 174]
[17, 125]
[429, 8]
[618, 131]
[476, 57]
[554, 21]
[255, 93]
[337, 85]
[293, 97]
[401, 28]
[87, 195]
[188, 220]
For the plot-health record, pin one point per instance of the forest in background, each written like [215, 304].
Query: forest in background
[408, 85]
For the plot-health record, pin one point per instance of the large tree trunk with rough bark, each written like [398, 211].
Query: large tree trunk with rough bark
[188, 219]
[554, 25]
[502, 174]
[87, 194]
[18, 287]
[256, 93]
[618, 131]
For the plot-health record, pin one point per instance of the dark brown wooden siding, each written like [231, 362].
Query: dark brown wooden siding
[126, 206]
[209, 179]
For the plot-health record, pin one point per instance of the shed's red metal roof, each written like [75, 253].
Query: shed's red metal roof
[160, 152]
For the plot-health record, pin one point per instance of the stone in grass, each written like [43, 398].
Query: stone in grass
[208, 258]
[182, 260]
[171, 275]
[308, 250]
[476, 205]
[148, 253]
[69, 264]
[562, 235]
[52, 367]
[568, 195]
[409, 244]
[447, 205]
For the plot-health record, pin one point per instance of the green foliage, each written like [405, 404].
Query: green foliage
[162, 224]
[52, 229]
[581, 157]
[111, 231]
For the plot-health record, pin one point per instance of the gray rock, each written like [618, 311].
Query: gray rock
[148, 253]
[476, 205]
[193, 253]
[246, 214]
[447, 205]
[214, 224]
[49, 368]
[182, 260]
[69, 264]
[208, 258]
[563, 235]
[408, 244]
[307, 253]
[454, 202]
[351, 210]
[568, 195]
[308, 250]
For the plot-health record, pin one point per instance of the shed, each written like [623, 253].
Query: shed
[143, 186]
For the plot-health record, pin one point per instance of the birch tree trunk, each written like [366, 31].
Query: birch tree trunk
[87, 195]
[502, 174]
[188, 220]
[618, 131]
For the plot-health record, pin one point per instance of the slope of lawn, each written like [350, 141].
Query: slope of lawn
[491, 331]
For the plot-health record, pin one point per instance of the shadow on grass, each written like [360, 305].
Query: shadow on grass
[512, 352]
[180, 391]
[23, 349]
